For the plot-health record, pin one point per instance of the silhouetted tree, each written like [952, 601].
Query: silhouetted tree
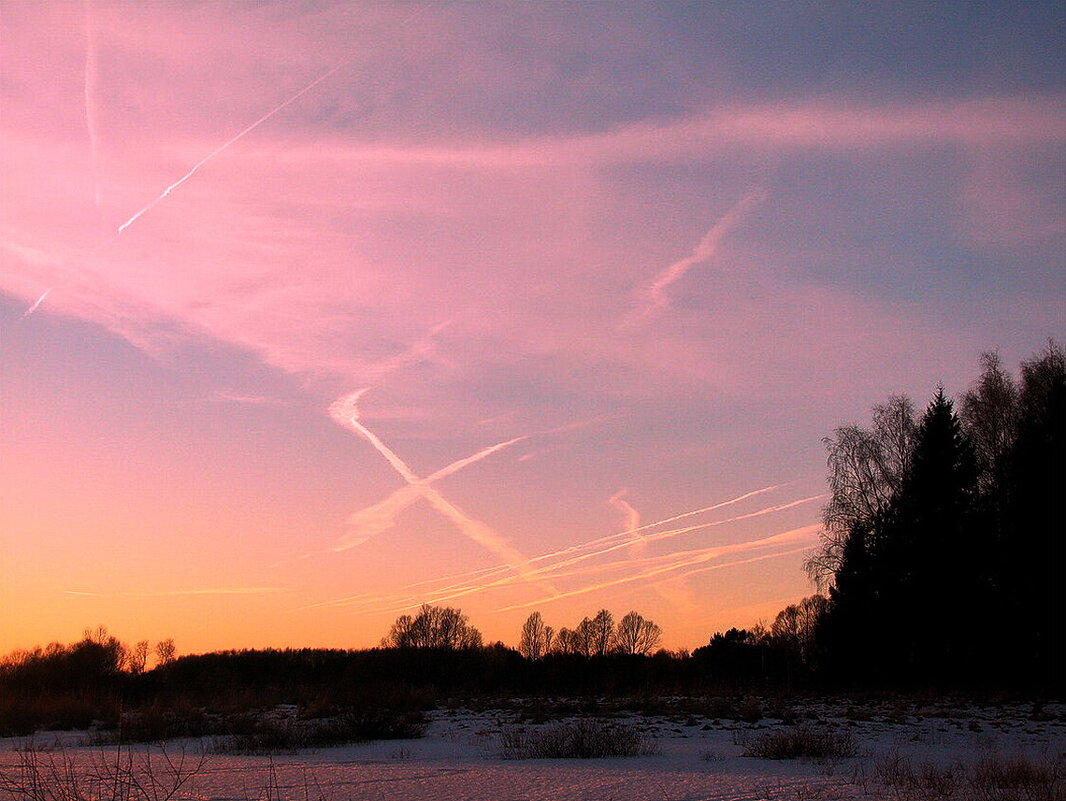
[433, 627]
[567, 642]
[137, 658]
[601, 633]
[165, 652]
[867, 468]
[636, 635]
[536, 640]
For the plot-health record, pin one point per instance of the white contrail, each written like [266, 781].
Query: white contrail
[689, 559]
[707, 247]
[36, 303]
[461, 581]
[218, 150]
[346, 412]
[381, 516]
[498, 578]
[89, 89]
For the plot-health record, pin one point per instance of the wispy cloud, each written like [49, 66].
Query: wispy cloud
[176, 593]
[630, 520]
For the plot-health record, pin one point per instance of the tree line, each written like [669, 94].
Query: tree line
[942, 550]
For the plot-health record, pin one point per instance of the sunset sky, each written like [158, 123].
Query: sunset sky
[312, 312]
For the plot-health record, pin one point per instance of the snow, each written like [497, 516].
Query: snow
[697, 759]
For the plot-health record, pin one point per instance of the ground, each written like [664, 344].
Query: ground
[904, 750]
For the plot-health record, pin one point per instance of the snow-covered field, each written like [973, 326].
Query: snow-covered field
[695, 759]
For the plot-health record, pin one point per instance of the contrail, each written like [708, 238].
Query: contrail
[89, 88]
[36, 303]
[557, 570]
[691, 558]
[461, 580]
[706, 249]
[381, 516]
[218, 150]
[631, 520]
[346, 412]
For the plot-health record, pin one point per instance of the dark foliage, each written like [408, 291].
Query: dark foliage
[966, 551]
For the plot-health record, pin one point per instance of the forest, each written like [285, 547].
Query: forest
[940, 569]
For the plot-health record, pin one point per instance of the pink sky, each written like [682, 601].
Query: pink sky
[596, 266]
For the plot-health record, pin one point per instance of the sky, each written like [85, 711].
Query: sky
[314, 312]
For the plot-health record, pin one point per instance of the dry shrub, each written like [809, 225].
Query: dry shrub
[123, 775]
[802, 742]
[578, 739]
[991, 778]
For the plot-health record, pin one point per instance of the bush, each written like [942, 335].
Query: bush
[40, 775]
[579, 739]
[802, 742]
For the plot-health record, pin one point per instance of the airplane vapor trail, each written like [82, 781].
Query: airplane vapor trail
[706, 249]
[557, 570]
[227, 144]
[346, 412]
[381, 516]
[89, 89]
[462, 580]
[36, 303]
[691, 558]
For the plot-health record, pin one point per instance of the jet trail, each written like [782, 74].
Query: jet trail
[691, 558]
[557, 570]
[36, 303]
[89, 89]
[346, 412]
[706, 249]
[382, 515]
[218, 150]
[461, 581]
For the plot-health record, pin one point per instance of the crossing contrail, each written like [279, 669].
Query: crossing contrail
[380, 517]
[218, 150]
[346, 412]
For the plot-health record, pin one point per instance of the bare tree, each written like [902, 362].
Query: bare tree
[867, 467]
[601, 633]
[165, 652]
[636, 635]
[795, 625]
[137, 658]
[433, 627]
[583, 638]
[566, 642]
[989, 413]
[536, 641]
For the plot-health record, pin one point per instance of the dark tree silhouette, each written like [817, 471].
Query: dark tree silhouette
[636, 635]
[536, 640]
[433, 627]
